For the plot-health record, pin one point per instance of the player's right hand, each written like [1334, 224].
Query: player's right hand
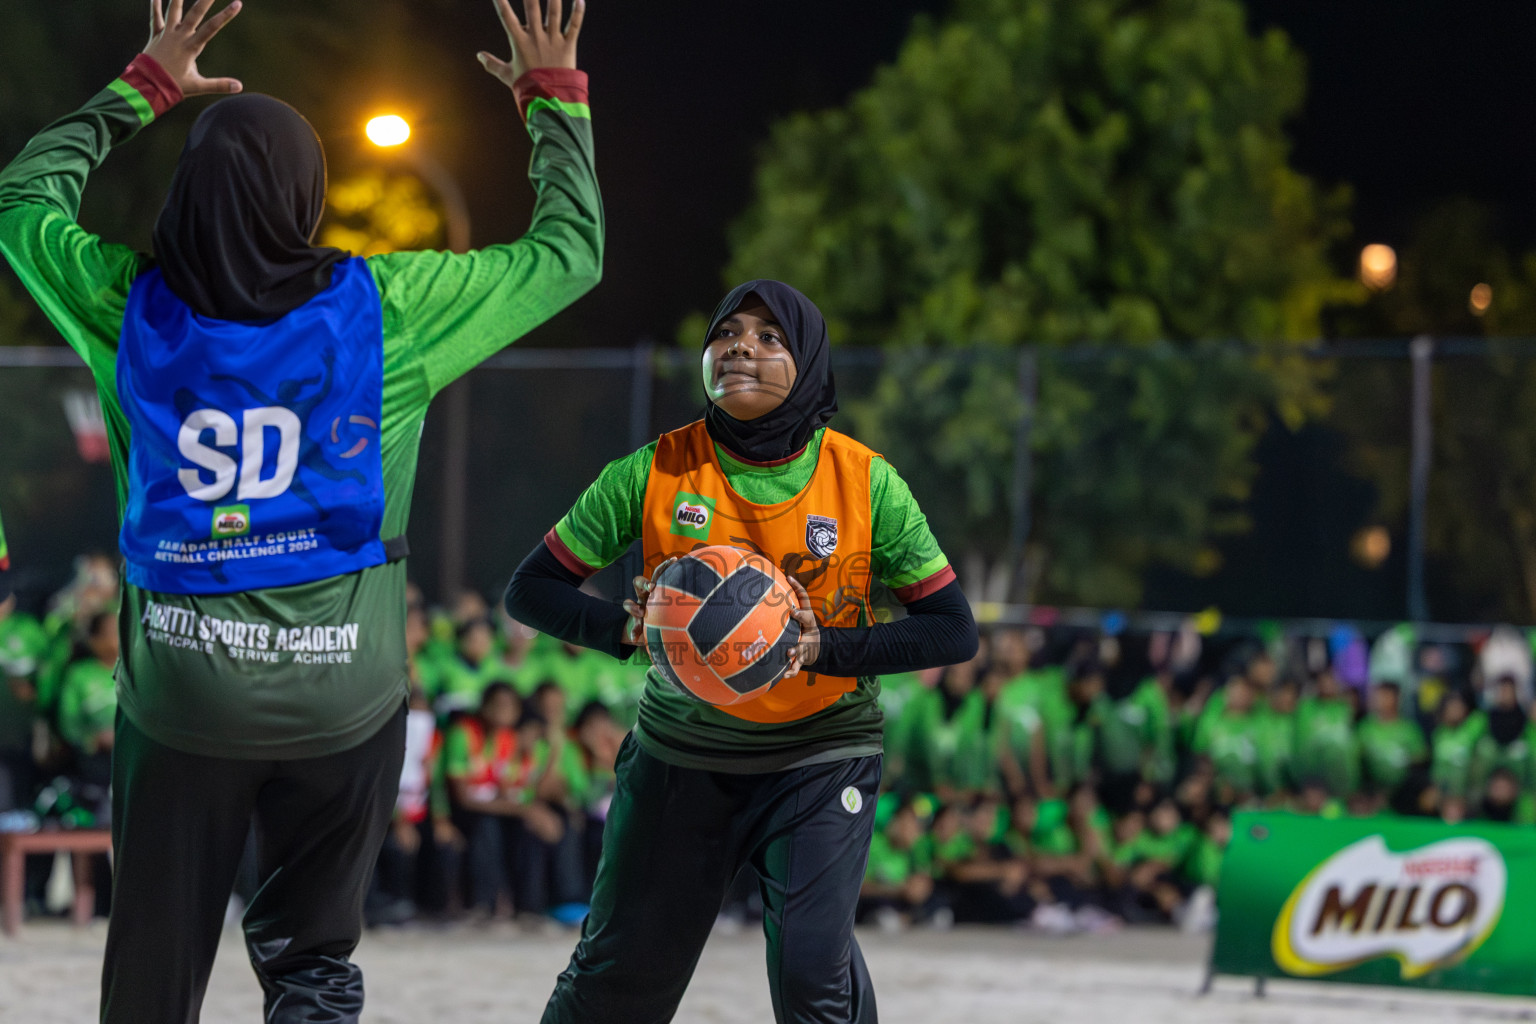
[538, 44]
[176, 40]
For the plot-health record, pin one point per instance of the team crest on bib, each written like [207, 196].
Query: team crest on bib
[820, 535]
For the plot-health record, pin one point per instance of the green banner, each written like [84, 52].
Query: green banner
[1379, 901]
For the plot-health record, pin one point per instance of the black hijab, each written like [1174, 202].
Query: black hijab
[1506, 725]
[812, 400]
[233, 240]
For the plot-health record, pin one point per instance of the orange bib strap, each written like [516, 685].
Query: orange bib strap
[821, 537]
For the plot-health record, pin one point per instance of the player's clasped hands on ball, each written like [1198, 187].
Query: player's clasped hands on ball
[801, 656]
[540, 43]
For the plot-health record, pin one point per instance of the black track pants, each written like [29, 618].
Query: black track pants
[179, 824]
[675, 838]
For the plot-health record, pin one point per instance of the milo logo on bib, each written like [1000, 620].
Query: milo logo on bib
[1427, 908]
[691, 515]
[231, 521]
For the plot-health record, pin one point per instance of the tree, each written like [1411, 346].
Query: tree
[372, 212]
[1481, 511]
[1032, 175]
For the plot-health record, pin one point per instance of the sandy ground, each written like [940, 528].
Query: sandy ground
[968, 976]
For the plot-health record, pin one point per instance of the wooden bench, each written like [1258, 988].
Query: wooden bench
[80, 843]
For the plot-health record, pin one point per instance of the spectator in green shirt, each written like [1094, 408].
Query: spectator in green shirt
[1202, 869]
[1155, 860]
[1028, 701]
[1314, 799]
[942, 736]
[1275, 738]
[93, 589]
[547, 875]
[1229, 739]
[1453, 748]
[88, 698]
[898, 880]
[1390, 745]
[1506, 744]
[558, 868]
[617, 684]
[1126, 739]
[1204, 865]
[22, 646]
[896, 692]
[986, 882]
[517, 661]
[420, 854]
[594, 780]
[1504, 799]
[488, 777]
[87, 710]
[1038, 718]
[1055, 838]
[1325, 738]
[464, 678]
[1072, 761]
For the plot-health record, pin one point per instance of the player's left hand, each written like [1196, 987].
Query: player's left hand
[176, 40]
[537, 39]
[804, 653]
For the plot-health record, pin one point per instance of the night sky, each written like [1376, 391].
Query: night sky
[1409, 102]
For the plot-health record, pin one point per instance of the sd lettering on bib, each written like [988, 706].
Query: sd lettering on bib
[253, 457]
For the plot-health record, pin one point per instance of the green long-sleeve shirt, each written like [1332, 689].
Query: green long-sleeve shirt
[197, 672]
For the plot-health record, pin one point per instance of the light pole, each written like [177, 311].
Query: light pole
[390, 132]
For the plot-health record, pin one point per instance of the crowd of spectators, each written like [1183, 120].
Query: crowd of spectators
[1072, 779]
[1078, 779]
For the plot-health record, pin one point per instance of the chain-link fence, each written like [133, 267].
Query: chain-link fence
[1103, 476]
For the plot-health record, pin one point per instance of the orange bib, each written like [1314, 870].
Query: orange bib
[821, 537]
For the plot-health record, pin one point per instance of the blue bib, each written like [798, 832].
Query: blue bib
[253, 457]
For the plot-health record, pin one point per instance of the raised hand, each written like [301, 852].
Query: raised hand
[538, 44]
[176, 40]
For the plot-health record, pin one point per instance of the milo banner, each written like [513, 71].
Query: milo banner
[1379, 901]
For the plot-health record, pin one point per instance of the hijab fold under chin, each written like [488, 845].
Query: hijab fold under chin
[233, 241]
[812, 400]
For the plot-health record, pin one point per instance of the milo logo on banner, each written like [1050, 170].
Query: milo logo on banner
[1428, 908]
[691, 515]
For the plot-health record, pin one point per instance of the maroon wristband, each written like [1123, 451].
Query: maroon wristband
[565, 84]
[153, 82]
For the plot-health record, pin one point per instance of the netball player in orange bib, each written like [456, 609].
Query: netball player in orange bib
[785, 782]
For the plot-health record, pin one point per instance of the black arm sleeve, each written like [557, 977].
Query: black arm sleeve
[546, 595]
[939, 630]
